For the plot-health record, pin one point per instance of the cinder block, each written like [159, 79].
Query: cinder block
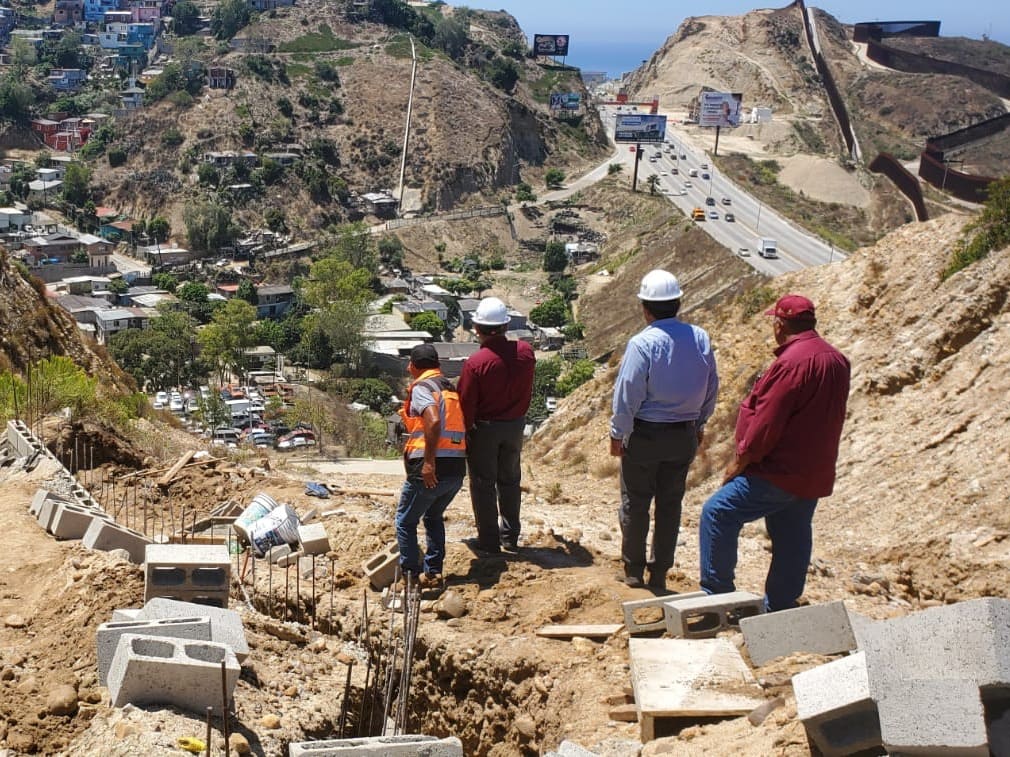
[47, 511]
[834, 703]
[963, 641]
[202, 598]
[173, 570]
[39, 499]
[703, 617]
[276, 553]
[291, 558]
[195, 629]
[313, 539]
[72, 521]
[106, 536]
[820, 629]
[125, 615]
[225, 625]
[630, 608]
[381, 569]
[156, 670]
[932, 718]
[381, 746]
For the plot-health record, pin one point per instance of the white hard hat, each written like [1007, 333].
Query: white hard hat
[659, 286]
[491, 312]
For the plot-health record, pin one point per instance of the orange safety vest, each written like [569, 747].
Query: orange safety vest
[452, 442]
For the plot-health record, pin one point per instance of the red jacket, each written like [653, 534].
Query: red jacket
[791, 422]
[497, 381]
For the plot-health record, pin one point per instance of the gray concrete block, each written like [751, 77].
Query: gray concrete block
[313, 539]
[156, 670]
[39, 499]
[380, 746]
[634, 625]
[964, 641]
[195, 629]
[106, 536]
[834, 703]
[124, 615]
[72, 521]
[291, 558]
[225, 625]
[174, 570]
[703, 617]
[932, 718]
[380, 570]
[820, 629]
[276, 553]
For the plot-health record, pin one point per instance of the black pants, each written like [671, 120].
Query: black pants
[654, 466]
[493, 459]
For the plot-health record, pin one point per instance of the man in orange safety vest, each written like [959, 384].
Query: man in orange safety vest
[435, 460]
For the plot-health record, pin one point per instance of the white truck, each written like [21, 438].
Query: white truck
[767, 248]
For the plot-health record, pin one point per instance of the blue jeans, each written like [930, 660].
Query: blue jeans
[419, 503]
[788, 519]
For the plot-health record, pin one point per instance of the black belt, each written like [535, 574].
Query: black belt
[664, 425]
[503, 420]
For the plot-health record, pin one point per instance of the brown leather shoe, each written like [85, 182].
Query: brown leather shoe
[429, 581]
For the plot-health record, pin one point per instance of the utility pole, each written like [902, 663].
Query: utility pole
[638, 159]
[406, 126]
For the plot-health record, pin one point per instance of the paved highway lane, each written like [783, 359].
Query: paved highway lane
[796, 248]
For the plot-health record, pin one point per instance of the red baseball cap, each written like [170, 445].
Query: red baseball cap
[793, 307]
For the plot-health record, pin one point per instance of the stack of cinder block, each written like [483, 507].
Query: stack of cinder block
[406, 745]
[171, 653]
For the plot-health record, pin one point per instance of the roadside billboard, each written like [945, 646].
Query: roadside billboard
[720, 109]
[550, 44]
[640, 128]
[565, 100]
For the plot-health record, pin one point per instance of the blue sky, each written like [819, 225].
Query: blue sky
[649, 24]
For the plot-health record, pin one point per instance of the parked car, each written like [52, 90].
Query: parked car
[161, 397]
[175, 405]
[296, 439]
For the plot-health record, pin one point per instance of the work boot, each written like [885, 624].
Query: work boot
[657, 582]
[631, 580]
[430, 581]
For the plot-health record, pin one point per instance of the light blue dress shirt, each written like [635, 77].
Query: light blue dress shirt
[667, 375]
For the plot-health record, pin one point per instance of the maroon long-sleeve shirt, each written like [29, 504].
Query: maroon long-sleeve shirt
[791, 423]
[497, 381]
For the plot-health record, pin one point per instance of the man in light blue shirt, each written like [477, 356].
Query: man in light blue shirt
[664, 394]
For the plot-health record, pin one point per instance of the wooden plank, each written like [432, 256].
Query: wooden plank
[693, 678]
[589, 631]
[625, 713]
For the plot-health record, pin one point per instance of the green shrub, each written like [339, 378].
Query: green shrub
[172, 138]
[117, 157]
[990, 231]
[580, 372]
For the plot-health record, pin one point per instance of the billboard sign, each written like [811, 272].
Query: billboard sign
[640, 128]
[550, 44]
[565, 100]
[720, 109]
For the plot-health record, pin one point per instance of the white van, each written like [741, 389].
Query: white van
[225, 436]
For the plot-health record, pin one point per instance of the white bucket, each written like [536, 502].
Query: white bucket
[260, 506]
[279, 527]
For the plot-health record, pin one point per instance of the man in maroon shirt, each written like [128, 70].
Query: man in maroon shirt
[787, 436]
[495, 389]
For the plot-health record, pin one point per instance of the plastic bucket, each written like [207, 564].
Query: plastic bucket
[260, 506]
[280, 526]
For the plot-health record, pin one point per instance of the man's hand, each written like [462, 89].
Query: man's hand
[428, 475]
[736, 467]
[617, 447]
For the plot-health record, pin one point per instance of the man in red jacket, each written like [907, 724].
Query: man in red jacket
[787, 436]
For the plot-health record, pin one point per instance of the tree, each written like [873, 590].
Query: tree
[16, 99]
[208, 225]
[193, 300]
[67, 51]
[653, 183]
[207, 174]
[450, 36]
[429, 322]
[247, 291]
[213, 412]
[185, 18]
[391, 251]
[158, 228]
[161, 355]
[75, 183]
[356, 245]
[552, 312]
[276, 220]
[503, 73]
[333, 335]
[165, 281]
[554, 177]
[524, 193]
[228, 18]
[555, 257]
[224, 340]
[22, 53]
[335, 280]
[580, 372]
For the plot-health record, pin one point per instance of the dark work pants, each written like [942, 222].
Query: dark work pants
[492, 456]
[654, 467]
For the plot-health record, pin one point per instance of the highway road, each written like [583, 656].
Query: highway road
[797, 248]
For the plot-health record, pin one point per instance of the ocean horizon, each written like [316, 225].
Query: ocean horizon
[616, 58]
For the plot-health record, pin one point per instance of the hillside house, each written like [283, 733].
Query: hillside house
[83, 309]
[409, 308]
[89, 286]
[145, 11]
[380, 204]
[56, 173]
[115, 231]
[57, 247]
[44, 191]
[132, 97]
[110, 322]
[95, 10]
[227, 290]
[67, 141]
[274, 301]
[227, 158]
[581, 252]
[99, 251]
[159, 255]
[117, 17]
[551, 338]
[221, 77]
[285, 159]
[44, 127]
[467, 307]
[15, 218]
[8, 20]
[68, 13]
